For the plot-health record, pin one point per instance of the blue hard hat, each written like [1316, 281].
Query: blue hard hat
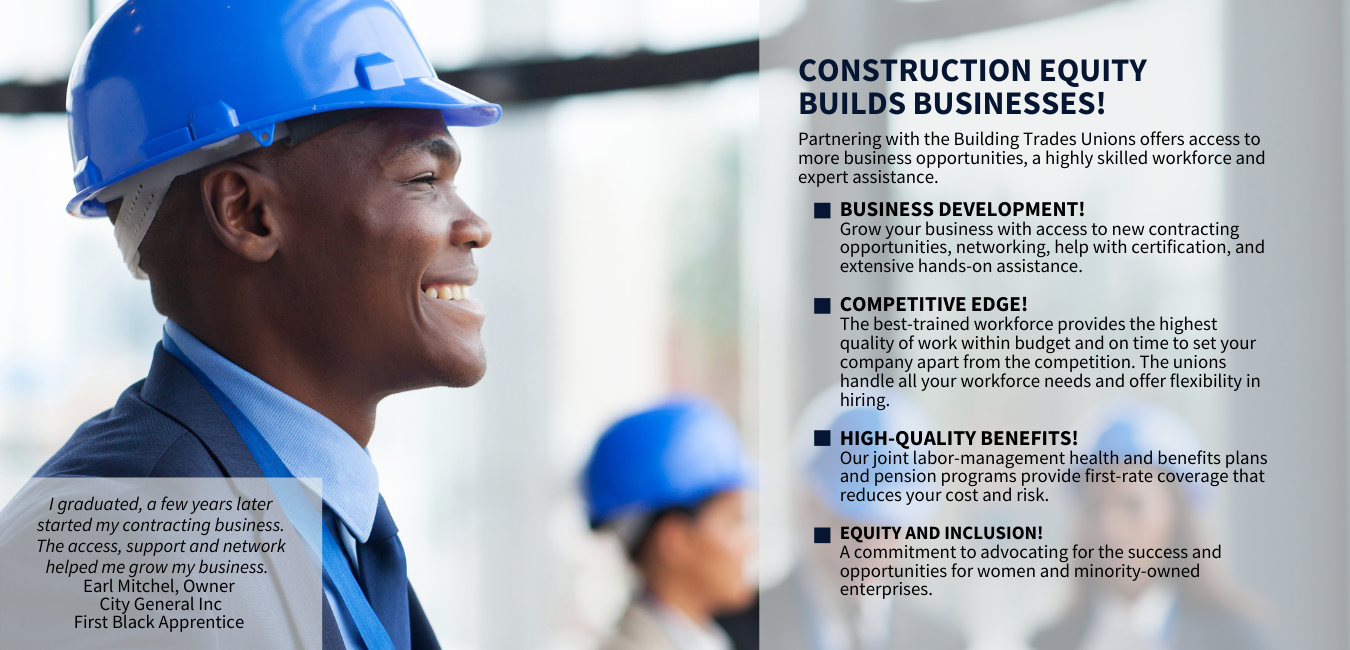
[1136, 427]
[676, 454]
[822, 468]
[156, 79]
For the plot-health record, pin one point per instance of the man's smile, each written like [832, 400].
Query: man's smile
[447, 291]
[454, 295]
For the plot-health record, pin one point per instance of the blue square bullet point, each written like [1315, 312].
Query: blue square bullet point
[822, 305]
[822, 535]
[822, 210]
[822, 437]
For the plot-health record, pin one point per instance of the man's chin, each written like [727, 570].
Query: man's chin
[462, 370]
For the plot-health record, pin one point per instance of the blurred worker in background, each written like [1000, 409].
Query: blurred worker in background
[1143, 613]
[806, 610]
[672, 483]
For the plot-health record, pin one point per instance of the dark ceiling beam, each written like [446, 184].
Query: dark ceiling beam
[510, 82]
[19, 97]
[528, 80]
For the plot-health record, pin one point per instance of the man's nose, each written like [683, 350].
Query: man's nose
[472, 231]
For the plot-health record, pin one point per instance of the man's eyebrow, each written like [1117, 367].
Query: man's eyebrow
[437, 146]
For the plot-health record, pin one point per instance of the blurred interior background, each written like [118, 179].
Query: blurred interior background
[640, 248]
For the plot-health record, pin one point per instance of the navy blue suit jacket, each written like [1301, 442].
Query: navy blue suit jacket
[167, 425]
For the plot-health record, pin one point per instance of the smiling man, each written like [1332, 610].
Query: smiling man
[283, 174]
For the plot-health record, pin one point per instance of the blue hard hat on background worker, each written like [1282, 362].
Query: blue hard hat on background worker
[674, 455]
[162, 88]
[1136, 427]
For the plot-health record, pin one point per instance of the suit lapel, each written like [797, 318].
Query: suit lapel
[171, 388]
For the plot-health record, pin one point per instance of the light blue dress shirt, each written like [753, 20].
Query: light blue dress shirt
[310, 445]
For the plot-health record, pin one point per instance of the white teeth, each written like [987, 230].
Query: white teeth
[448, 291]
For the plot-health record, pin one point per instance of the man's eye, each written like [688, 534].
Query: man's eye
[425, 178]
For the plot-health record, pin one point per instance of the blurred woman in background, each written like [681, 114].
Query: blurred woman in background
[1136, 612]
[671, 483]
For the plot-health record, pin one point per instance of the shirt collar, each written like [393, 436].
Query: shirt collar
[1143, 622]
[310, 445]
[683, 632]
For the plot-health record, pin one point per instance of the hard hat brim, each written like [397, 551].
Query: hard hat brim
[459, 108]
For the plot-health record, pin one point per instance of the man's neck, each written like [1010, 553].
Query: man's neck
[683, 602]
[320, 386]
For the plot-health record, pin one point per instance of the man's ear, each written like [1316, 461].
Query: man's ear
[669, 539]
[241, 206]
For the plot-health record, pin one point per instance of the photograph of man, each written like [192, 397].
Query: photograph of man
[283, 175]
[672, 483]
[1127, 613]
[808, 611]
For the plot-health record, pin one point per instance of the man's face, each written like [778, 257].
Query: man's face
[719, 545]
[378, 251]
[1130, 516]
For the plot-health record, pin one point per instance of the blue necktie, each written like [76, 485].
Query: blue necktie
[383, 575]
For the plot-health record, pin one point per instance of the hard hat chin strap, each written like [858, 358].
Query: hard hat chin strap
[143, 193]
[137, 211]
